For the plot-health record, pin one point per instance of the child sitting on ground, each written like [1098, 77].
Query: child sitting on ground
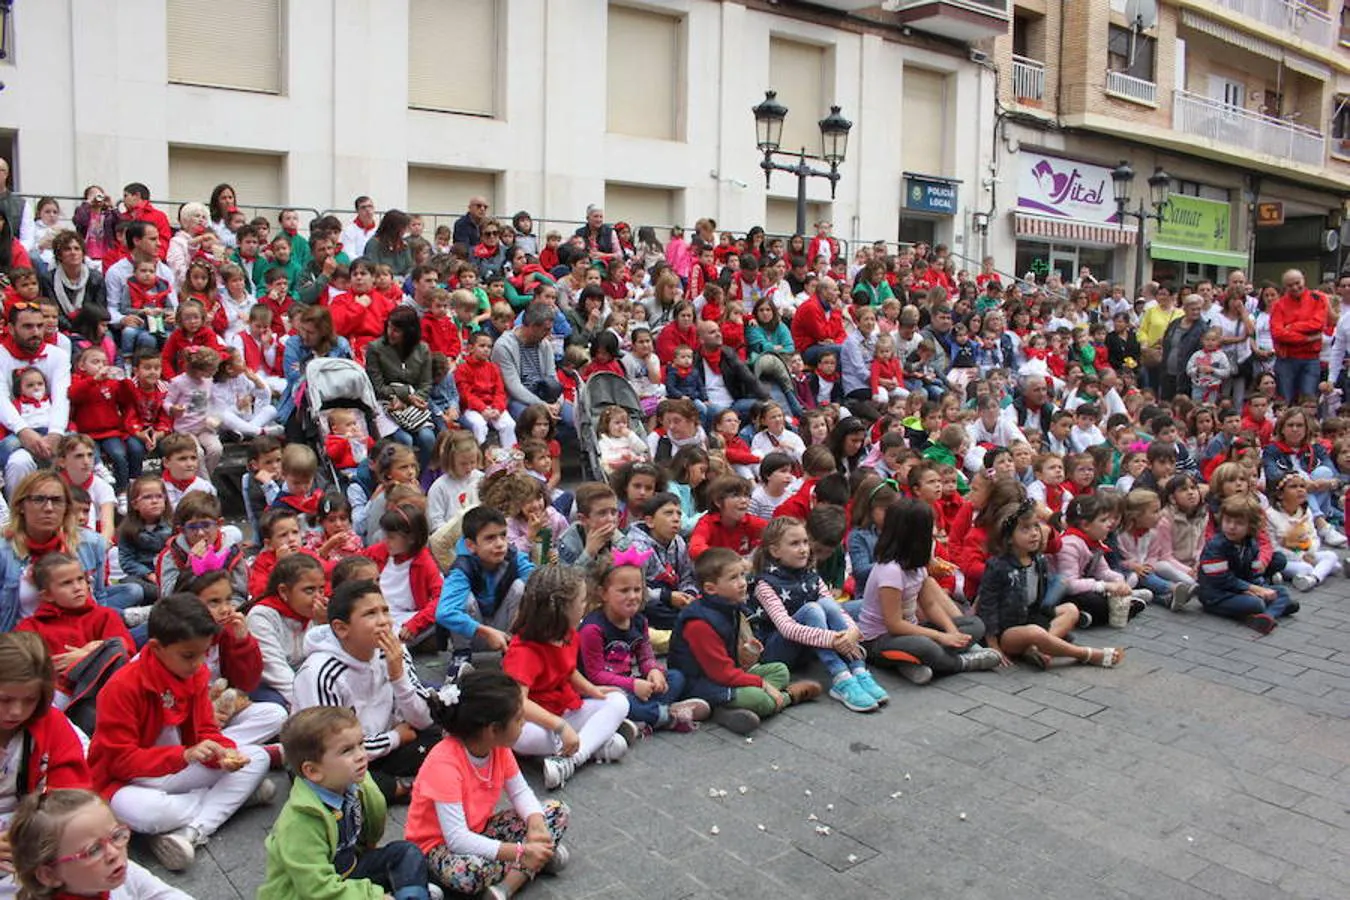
[199, 546]
[158, 755]
[281, 618]
[728, 523]
[669, 572]
[1230, 585]
[325, 842]
[482, 591]
[358, 662]
[596, 530]
[189, 404]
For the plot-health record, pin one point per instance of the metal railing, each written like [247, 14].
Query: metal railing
[1217, 121]
[1131, 88]
[1291, 16]
[1028, 79]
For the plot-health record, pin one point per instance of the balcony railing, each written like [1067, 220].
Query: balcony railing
[1131, 88]
[1193, 114]
[1290, 16]
[1028, 79]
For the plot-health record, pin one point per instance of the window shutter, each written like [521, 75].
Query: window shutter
[236, 45]
[797, 73]
[452, 56]
[194, 173]
[643, 42]
[925, 121]
[640, 206]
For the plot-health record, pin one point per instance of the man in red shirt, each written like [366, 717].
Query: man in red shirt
[818, 324]
[136, 199]
[1298, 320]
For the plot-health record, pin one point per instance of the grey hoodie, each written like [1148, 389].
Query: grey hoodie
[668, 569]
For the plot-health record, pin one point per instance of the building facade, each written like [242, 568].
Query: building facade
[542, 105]
[1245, 103]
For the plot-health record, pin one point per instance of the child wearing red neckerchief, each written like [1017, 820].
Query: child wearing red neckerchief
[31, 399]
[299, 465]
[440, 329]
[260, 348]
[191, 334]
[75, 461]
[1048, 488]
[733, 329]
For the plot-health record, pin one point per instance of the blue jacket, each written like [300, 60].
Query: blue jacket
[92, 552]
[1226, 569]
[725, 619]
[138, 555]
[293, 367]
[469, 580]
[690, 386]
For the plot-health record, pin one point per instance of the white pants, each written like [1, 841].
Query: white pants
[505, 425]
[1327, 562]
[255, 724]
[197, 796]
[249, 426]
[595, 723]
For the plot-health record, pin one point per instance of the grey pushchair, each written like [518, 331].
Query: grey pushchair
[601, 390]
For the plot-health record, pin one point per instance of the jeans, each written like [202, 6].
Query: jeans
[423, 442]
[655, 710]
[399, 867]
[815, 351]
[1240, 606]
[122, 457]
[134, 339]
[742, 408]
[1297, 377]
[823, 614]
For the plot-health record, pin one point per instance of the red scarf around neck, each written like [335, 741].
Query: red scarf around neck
[84, 485]
[1054, 496]
[305, 503]
[178, 695]
[713, 358]
[1075, 531]
[18, 353]
[272, 601]
[36, 550]
[178, 483]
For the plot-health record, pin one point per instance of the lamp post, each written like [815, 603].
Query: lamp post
[1159, 185]
[834, 130]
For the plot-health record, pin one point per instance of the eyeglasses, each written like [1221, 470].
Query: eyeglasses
[120, 837]
[53, 501]
[491, 233]
[199, 526]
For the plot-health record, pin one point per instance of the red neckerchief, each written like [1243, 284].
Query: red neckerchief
[291, 232]
[1075, 531]
[24, 400]
[683, 372]
[305, 503]
[1139, 532]
[65, 476]
[482, 251]
[1076, 491]
[20, 354]
[178, 695]
[713, 358]
[63, 895]
[181, 485]
[50, 611]
[36, 551]
[1054, 496]
[1309, 452]
[272, 601]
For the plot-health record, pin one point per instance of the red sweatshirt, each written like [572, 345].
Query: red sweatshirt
[707, 647]
[441, 335]
[890, 368]
[137, 704]
[61, 629]
[241, 662]
[180, 343]
[710, 532]
[424, 578]
[812, 325]
[142, 409]
[738, 452]
[256, 360]
[339, 450]
[56, 759]
[360, 323]
[480, 385]
[1298, 323]
[93, 406]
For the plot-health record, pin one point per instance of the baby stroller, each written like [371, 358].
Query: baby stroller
[338, 384]
[599, 391]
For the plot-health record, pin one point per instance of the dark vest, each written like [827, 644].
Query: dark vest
[722, 615]
[795, 587]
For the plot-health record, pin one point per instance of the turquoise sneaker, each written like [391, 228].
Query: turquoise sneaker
[851, 693]
[870, 685]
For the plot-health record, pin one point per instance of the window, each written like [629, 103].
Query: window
[236, 45]
[924, 111]
[194, 173]
[1129, 52]
[798, 72]
[432, 189]
[1340, 124]
[452, 56]
[640, 206]
[639, 102]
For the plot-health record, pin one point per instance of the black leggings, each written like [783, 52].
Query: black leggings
[942, 660]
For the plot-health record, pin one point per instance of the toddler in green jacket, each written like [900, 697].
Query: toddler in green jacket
[324, 843]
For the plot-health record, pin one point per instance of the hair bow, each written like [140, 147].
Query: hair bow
[632, 556]
[502, 460]
[448, 694]
[1010, 521]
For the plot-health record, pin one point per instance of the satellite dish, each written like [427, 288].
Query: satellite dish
[1141, 14]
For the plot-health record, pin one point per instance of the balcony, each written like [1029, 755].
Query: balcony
[1288, 16]
[961, 20]
[1247, 130]
[1028, 80]
[1127, 87]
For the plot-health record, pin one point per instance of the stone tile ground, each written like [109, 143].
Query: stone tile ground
[1213, 764]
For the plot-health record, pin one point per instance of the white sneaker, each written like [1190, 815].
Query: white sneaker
[434, 891]
[262, 794]
[136, 615]
[122, 503]
[176, 850]
[559, 860]
[1181, 595]
[612, 751]
[557, 769]
[103, 472]
[274, 430]
[1332, 538]
[1304, 583]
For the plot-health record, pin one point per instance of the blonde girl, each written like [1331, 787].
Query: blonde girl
[1146, 552]
[797, 615]
[774, 434]
[457, 487]
[618, 443]
[1292, 526]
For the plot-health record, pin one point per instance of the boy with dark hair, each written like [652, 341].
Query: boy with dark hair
[324, 843]
[201, 545]
[358, 662]
[140, 400]
[1162, 465]
[596, 530]
[721, 668]
[669, 572]
[299, 466]
[262, 481]
[728, 522]
[949, 449]
[1165, 431]
[483, 589]
[157, 755]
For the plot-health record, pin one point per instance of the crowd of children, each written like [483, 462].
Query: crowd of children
[924, 474]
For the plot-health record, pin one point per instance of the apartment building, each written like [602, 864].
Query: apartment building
[1244, 103]
[544, 105]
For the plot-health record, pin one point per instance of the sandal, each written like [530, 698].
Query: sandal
[1104, 657]
[1034, 656]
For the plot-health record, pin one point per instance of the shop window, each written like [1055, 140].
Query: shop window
[1130, 52]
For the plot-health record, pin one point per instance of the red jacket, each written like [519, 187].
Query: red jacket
[799, 505]
[135, 706]
[339, 450]
[738, 452]
[733, 338]
[278, 311]
[52, 756]
[827, 247]
[61, 629]
[93, 406]
[480, 385]
[1297, 324]
[710, 532]
[442, 335]
[360, 324]
[889, 369]
[1264, 430]
[180, 343]
[256, 360]
[143, 409]
[670, 338]
[241, 662]
[424, 577]
[811, 325]
[261, 570]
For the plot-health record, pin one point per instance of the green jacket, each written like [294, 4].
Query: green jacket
[303, 842]
[941, 453]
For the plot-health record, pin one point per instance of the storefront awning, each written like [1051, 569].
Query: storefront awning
[1072, 231]
[1228, 258]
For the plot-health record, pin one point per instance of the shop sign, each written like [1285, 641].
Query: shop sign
[1064, 189]
[1193, 222]
[926, 195]
[1269, 214]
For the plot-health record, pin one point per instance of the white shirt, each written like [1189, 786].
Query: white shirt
[54, 364]
[354, 239]
[397, 590]
[788, 442]
[716, 386]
